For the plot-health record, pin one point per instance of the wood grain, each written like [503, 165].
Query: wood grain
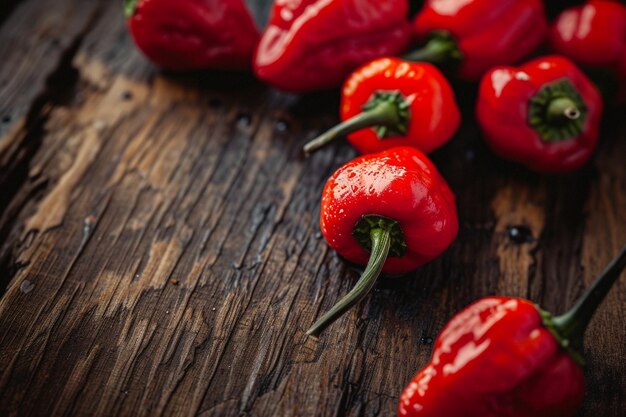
[160, 251]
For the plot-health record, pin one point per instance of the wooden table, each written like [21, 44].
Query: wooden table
[160, 250]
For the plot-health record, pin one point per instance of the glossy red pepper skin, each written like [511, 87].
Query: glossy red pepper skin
[496, 359]
[399, 184]
[315, 44]
[594, 35]
[433, 113]
[487, 32]
[504, 110]
[184, 35]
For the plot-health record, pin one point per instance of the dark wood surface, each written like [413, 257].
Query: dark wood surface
[160, 251]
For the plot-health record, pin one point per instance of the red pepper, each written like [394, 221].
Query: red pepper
[506, 357]
[315, 44]
[392, 211]
[594, 35]
[193, 34]
[544, 114]
[390, 102]
[479, 34]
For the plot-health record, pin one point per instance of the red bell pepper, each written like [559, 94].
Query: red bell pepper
[477, 35]
[193, 34]
[392, 211]
[594, 36]
[508, 357]
[544, 114]
[315, 44]
[390, 102]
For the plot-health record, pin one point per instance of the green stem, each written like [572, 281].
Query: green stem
[440, 49]
[384, 113]
[562, 109]
[129, 7]
[434, 51]
[571, 325]
[381, 242]
[557, 111]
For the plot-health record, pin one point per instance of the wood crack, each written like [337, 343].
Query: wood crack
[15, 165]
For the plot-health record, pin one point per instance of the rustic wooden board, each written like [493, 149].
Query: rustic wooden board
[160, 250]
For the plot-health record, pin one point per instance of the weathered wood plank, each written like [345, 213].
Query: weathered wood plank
[37, 49]
[605, 233]
[161, 253]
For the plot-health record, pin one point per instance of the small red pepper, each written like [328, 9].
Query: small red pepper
[390, 102]
[392, 211]
[544, 114]
[594, 36]
[478, 34]
[315, 44]
[506, 357]
[190, 34]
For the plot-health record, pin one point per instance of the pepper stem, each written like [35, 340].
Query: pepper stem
[557, 111]
[129, 7]
[562, 109]
[387, 112]
[384, 113]
[441, 48]
[381, 243]
[571, 326]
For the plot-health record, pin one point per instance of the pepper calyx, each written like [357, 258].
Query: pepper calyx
[393, 108]
[557, 112]
[129, 7]
[573, 347]
[362, 233]
[441, 48]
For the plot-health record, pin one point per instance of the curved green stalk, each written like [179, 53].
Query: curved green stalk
[571, 326]
[383, 114]
[381, 242]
